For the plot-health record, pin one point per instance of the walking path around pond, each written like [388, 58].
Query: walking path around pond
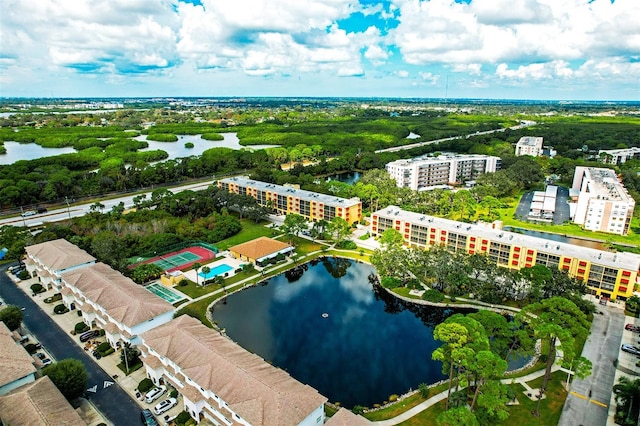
[443, 395]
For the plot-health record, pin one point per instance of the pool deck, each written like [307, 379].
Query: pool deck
[222, 258]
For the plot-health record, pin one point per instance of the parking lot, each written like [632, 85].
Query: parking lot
[561, 214]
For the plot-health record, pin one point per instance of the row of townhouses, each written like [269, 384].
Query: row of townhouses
[218, 379]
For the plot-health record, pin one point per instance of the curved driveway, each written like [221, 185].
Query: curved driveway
[113, 402]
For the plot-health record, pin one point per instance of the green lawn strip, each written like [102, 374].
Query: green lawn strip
[403, 405]
[507, 216]
[521, 414]
[198, 309]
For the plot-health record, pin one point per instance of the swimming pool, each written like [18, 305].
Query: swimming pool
[216, 270]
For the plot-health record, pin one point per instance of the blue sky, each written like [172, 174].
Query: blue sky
[518, 49]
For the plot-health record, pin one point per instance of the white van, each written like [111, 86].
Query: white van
[154, 394]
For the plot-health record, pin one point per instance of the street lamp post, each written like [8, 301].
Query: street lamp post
[66, 199]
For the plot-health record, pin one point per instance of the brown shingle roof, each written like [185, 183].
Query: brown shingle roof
[260, 247]
[257, 391]
[345, 417]
[125, 301]
[15, 362]
[59, 254]
[38, 403]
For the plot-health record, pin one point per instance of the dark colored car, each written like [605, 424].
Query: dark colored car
[88, 335]
[147, 418]
[41, 210]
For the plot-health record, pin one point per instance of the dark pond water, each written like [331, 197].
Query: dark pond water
[347, 177]
[557, 237]
[368, 346]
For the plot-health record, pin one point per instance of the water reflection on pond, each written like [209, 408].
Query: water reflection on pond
[329, 327]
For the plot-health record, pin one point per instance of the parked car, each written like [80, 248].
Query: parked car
[46, 362]
[165, 405]
[155, 393]
[13, 268]
[632, 327]
[147, 418]
[40, 355]
[631, 349]
[96, 354]
[88, 335]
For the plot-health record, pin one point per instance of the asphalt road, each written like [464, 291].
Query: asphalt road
[113, 402]
[588, 400]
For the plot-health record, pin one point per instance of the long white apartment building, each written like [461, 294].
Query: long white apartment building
[603, 203]
[619, 156]
[424, 173]
[222, 382]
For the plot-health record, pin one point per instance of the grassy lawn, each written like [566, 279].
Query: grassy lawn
[521, 414]
[400, 407]
[250, 231]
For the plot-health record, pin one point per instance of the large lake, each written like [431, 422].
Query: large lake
[329, 327]
[30, 151]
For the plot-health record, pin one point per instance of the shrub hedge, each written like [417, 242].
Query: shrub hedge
[60, 309]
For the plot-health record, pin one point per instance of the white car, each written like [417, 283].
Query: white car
[154, 394]
[165, 405]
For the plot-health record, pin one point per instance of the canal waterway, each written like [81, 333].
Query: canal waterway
[31, 151]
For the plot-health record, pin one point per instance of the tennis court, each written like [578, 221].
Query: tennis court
[165, 293]
[176, 260]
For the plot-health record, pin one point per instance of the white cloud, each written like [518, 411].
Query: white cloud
[537, 71]
[402, 73]
[429, 77]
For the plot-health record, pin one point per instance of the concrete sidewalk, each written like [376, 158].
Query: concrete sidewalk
[443, 395]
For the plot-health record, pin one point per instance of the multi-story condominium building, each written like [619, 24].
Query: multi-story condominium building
[448, 169]
[619, 156]
[613, 275]
[224, 383]
[18, 368]
[603, 203]
[50, 259]
[529, 145]
[107, 299]
[112, 302]
[38, 403]
[285, 200]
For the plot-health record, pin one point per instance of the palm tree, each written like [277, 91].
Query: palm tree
[627, 394]
[205, 271]
[196, 266]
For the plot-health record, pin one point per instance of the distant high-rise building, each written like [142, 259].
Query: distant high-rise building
[447, 169]
[603, 203]
[619, 156]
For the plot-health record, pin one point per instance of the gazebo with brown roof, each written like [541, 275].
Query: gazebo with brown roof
[260, 249]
